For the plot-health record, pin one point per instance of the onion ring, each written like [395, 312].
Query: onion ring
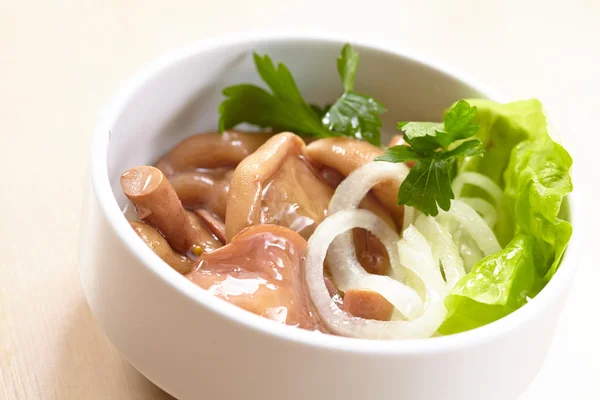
[443, 248]
[479, 180]
[483, 207]
[342, 323]
[472, 222]
[342, 255]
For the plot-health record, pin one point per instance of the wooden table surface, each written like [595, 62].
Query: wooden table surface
[60, 62]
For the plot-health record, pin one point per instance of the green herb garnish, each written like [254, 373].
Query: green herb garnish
[434, 147]
[352, 115]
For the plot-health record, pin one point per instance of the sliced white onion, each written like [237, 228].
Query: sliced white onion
[474, 225]
[416, 255]
[349, 274]
[343, 323]
[355, 187]
[479, 180]
[343, 264]
[410, 215]
[443, 248]
[468, 249]
[426, 244]
[484, 208]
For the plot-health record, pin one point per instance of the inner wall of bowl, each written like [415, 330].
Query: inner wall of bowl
[183, 98]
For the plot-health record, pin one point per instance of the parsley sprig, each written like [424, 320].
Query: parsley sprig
[353, 114]
[434, 147]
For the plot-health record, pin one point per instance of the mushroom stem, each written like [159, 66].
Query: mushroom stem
[367, 304]
[159, 245]
[157, 203]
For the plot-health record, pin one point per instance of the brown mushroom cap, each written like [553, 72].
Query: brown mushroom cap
[261, 270]
[208, 189]
[277, 185]
[211, 150]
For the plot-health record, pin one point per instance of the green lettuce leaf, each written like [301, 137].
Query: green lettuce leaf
[534, 174]
[501, 128]
[537, 180]
[496, 286]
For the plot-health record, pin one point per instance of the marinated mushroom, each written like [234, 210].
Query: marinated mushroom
[207, 189]
[211, 150]
[213, 223]
[277, 185]
[159, 245]
[367, 304]
[156, 202]
[261, 271]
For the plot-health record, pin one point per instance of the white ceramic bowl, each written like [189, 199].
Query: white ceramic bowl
[194, 345]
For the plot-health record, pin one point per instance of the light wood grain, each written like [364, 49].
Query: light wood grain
[60, 61]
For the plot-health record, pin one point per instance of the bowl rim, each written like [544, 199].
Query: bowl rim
[111, 211]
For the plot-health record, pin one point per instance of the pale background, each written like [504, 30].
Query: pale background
[60, 61]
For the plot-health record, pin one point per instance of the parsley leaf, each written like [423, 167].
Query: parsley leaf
[428, 183]
[457, 122]
[465, 149]
[352, 115]
[434, 147]
[321, 111]
[355, 115]
[279, 80]
[400, 153]
[254, 105]
[284, 109]
[347, 65]
[420, 129]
